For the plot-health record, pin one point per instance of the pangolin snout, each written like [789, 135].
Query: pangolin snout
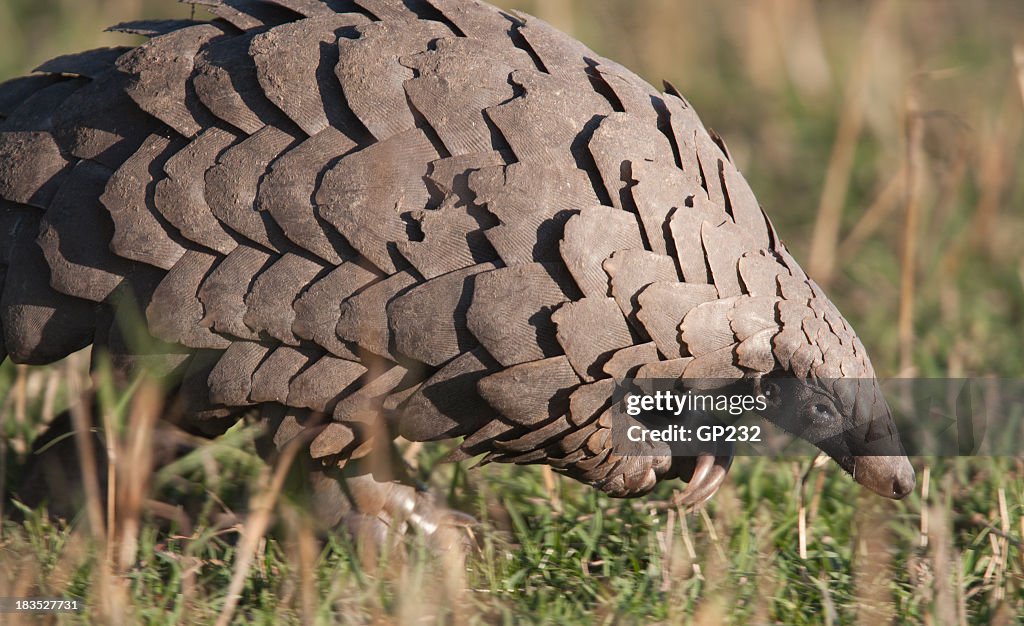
[889, 476]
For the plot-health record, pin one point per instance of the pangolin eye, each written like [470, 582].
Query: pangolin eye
[822, 411]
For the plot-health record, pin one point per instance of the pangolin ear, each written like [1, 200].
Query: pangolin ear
[769, 384]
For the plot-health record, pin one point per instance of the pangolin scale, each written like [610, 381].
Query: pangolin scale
[428, 218]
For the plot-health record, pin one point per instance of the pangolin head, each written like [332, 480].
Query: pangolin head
[823, 389]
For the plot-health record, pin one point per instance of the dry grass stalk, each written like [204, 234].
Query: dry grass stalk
[824, 240]
[5, 410]
[908, 273]
[804, 512]
[872, 562]
[691, 553]
[24, 587]
[802, 526]
[1018, 62]
[82, 422]
[20, 395]
[763, 44]
[261, 508]
[666, 543]
[410, 451]
[944, 608]
[720, 593]
[304, 549]
[995, 171]
[769, 582]
[994, 175]
[819, 488]
[136, 469]
[110, 591]
[713, 535]
[961, 605]
[1004, 547]
[48, 411]
[993, 561]
[926, 479]
[874, 218]
[551, 487]
[3, 473]
[802, 46]
[112, 440]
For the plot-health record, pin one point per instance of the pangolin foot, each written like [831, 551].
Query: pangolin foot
[382, 517]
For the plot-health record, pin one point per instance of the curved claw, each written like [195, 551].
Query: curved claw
[701, 471]
[401, 506]
[708, 475]
[444, 528]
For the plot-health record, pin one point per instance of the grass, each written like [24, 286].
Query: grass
[809, 96]
[950, 555]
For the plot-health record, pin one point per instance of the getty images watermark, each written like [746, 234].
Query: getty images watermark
[787, 417]
[668, 404]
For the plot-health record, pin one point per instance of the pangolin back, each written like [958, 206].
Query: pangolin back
[429, 215]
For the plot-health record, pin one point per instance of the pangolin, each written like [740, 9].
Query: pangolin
[433, 219]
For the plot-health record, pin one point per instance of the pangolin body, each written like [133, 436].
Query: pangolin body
[427, 218]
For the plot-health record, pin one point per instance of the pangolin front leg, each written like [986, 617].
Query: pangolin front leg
[378, 511]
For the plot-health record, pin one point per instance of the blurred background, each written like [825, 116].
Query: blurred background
[883, 137]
